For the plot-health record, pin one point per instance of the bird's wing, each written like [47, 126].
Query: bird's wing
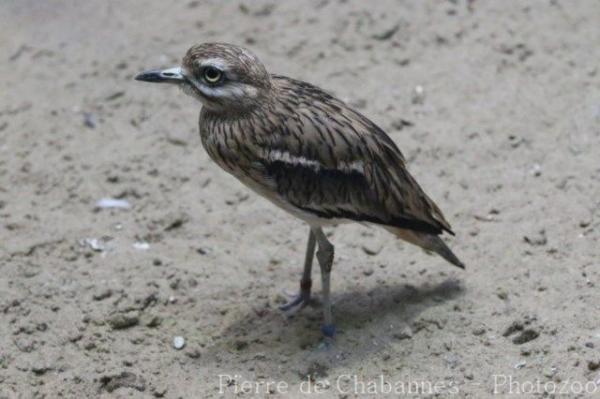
[326, 159]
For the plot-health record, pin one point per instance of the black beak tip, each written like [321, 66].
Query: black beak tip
[149, 76]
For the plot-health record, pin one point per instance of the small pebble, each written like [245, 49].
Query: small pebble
[94, 244]
[520, 365]
[123, 321]
[525, 336]
[418, 96]
[160, 391]
[536, 170]
[549, 372]
[371, 249]
[141, 246]
[155, 321]
[89, 120]
[405, 333]
[536, 239]
[584, 223]
[178, 342]
[102, 294]
[114, 203]
[479, 331]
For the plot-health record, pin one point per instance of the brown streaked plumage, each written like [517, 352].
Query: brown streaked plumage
[307, 152]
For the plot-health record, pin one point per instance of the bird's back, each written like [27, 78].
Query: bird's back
[310, 152]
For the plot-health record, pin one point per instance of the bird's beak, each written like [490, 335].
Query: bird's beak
[171, 75]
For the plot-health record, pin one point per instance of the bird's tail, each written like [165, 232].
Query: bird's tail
[428, 242]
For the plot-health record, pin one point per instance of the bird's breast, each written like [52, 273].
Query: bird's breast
[228, 145]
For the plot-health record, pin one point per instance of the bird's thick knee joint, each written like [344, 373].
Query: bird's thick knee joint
[325, 257]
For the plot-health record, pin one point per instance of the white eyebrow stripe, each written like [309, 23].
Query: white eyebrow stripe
[286, 157]
[214, 62]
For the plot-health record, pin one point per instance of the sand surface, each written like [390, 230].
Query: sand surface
[505, 138]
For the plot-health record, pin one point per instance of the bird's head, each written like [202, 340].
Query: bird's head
[224, 77]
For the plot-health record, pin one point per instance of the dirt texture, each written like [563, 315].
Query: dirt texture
[496, 105]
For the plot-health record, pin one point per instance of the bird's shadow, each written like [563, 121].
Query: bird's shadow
[368, 322]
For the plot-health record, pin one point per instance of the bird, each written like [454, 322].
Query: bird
[307, 152]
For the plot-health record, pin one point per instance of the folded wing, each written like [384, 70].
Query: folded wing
[326, 159]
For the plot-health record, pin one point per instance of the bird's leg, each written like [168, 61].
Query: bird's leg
[301, 300]
[325, 258]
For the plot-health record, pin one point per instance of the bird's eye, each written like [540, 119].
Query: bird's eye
[212, 75]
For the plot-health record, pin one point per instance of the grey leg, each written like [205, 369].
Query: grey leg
[301, 300]
[306, 282]
[325, 258]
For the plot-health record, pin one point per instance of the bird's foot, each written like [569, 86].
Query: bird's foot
[296, 302]
[328, 331]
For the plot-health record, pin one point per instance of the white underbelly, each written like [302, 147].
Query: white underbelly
[271, 195]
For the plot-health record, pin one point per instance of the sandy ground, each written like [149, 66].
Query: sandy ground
[506, 138]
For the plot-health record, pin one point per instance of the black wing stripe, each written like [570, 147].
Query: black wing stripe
[305, 184]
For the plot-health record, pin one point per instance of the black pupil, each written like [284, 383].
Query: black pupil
[212, 74]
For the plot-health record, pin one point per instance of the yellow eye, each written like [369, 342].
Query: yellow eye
[212, 75]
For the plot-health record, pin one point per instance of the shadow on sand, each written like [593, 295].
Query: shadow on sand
[368, 322]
